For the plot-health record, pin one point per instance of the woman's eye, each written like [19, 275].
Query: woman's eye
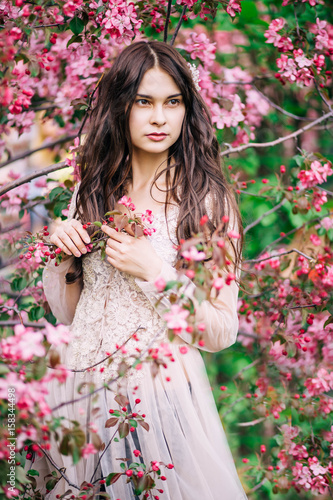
[144, 102]
[174, 102]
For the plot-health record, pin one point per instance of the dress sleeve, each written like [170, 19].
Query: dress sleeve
[219, 317]
[62, 298]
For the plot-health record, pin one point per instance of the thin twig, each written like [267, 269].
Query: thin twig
[89, 105]
[272, 210]
[101, 455]
[32, 151]
[178, 25]
[257, 486]
[58, 468]
[109, 355]
[275, 242]
[256, 261]
[277, 107]
[85, 396]
[302, 307]
[323, 98]
[166, 26]
[257, 145]
[25, 323]
[247, 367]
[253, 422]
[232, 406]
[29, 177]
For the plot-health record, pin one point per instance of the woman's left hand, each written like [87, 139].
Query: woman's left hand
[132, 255]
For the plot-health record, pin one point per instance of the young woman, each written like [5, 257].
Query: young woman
[151, 139]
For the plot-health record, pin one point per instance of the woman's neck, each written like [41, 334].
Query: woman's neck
[145, 167]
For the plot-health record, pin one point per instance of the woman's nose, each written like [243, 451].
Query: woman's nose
[157, 115]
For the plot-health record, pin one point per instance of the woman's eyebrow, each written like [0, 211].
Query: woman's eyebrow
[150, 97]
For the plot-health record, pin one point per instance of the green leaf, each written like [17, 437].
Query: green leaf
[328, 321]
[4, 369]
[55, 192]
[74, 39]
[32, 472]
[123, 429]
[330, 234]
[18, 284]
[170, 285]
[51, 484]
[51, 318]
[76, 25]
[113, 477]
[97, 223]
[133, 422]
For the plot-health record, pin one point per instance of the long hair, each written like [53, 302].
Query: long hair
[195, 171]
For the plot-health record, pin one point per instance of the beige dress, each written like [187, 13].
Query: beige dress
[185, 428]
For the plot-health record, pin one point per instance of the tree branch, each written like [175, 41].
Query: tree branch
[256, 261]
[178, 25]
[27, 178]
[272, 210]
[45, 146]
[257, 145]
[277, 107]
[166, 26]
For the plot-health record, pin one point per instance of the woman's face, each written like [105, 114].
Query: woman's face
[157, 114]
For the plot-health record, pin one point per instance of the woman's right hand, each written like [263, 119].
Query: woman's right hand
[71, 237]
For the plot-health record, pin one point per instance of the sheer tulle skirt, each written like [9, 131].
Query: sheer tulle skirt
[184, 429]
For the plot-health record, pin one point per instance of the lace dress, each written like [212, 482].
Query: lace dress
[185, 428]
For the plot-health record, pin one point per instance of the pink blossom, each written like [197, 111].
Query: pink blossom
[316, 175]
[88, 449]
[319, 198]
[176, 317]
[233, 7]
[147, 216]
[193, 254]
[277, 24]
[127, 202]
[272, 37]
[315, 239]
[183, 349]
[121, 22]
[224, 118]
[200, 47]
[160, 284]
[322, 383]
[327, 223]
[57, 335]
[284, 44]
[233, 234]
[218, 283]
[24, 344]
[59, 372]
[301, 59]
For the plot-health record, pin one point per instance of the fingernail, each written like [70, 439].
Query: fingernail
[77, 254]
[84, 250]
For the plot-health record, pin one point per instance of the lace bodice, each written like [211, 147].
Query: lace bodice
[112, 307]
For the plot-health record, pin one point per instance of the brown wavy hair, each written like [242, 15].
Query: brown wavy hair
[106, 156]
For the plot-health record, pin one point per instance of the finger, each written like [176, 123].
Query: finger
[57, 241]
[110, 252]
[114, 245]
[73, 242]
[115, 235]
[82, 232]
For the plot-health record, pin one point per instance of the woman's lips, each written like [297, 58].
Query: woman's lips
[157, 137]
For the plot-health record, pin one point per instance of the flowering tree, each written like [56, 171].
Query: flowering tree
[266, 74]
